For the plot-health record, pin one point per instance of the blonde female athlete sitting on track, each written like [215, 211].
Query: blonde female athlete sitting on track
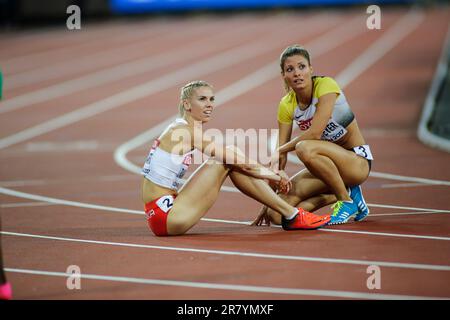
[171, 211]
[330, 143]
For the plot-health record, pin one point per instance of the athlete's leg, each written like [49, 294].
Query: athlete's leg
[196, 196]
[307, 192]
[261, 192]
[201, 191]
[334, 165]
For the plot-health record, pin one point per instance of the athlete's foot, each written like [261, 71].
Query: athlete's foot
[342, 212]
[357, 197]
[305, 220]
[5, 291]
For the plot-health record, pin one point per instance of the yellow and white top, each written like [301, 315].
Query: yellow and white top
[289, 109]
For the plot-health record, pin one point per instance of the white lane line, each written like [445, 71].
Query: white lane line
[135, 42]
[65, 146]
[404, 213]
[379, 234]
[381, 175]
[42, 182]
[138, 212]
[22, 183]
[402, 265]
[374, 215]
[218, 62]
[374, 53]
[408, 179]
[65, 202]
[322, 44]
[405, 185]
[65, 48]
[231, 287]
[25, 204]
[381, 47]
[121, 71]
[406, 208]
[385, 234]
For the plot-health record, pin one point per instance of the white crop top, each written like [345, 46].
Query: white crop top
[164, 168]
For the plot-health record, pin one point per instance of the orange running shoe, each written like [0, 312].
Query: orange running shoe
[305, 220]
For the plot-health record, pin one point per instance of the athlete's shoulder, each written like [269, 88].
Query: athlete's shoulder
[325, 80]
[288, 99]
[286, 107]
[324, 85]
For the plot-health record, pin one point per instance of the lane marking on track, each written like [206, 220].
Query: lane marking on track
[385, 234]
[397, 177]
[82, 40]
[404, 213]
[381, 47]
[218, 62]
[36, 197]
[137, 212]
[66, 146]
[407, 208]
[135, 42]
[402, 265]
[292, 158]
[25, 204]
[407, 185]
[111, 74]
[41, 182]
[231, 287]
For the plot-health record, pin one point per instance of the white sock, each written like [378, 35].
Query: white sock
[293, 215]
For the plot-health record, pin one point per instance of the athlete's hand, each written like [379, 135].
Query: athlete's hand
[262, 219]
[285, 185]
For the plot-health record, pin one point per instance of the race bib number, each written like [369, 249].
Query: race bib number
[165, 203]
[364, 151]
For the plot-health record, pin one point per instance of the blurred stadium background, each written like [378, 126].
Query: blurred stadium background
[19, 15]
[19, 12]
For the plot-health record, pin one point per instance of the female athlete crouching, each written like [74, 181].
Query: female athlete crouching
[171, 211]
[330, 143]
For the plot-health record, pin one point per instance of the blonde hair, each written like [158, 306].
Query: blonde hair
[293, 50]
[187, 90]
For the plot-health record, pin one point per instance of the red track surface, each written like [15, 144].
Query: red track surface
[386, 97]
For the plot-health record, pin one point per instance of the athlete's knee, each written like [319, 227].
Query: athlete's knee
[305, 151]
[177, 227]
[219, 165]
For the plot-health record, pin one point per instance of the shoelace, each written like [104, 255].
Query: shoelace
[336, 207]
[301, 214]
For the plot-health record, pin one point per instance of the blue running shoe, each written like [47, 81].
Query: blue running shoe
[342, 212]
[357, 197]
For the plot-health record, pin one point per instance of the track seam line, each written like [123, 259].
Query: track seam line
[232, 287]
[20, 194]
[415, 266]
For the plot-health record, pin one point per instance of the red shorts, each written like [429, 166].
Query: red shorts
[157, 212]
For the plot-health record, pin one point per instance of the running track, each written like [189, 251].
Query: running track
[71, 122]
